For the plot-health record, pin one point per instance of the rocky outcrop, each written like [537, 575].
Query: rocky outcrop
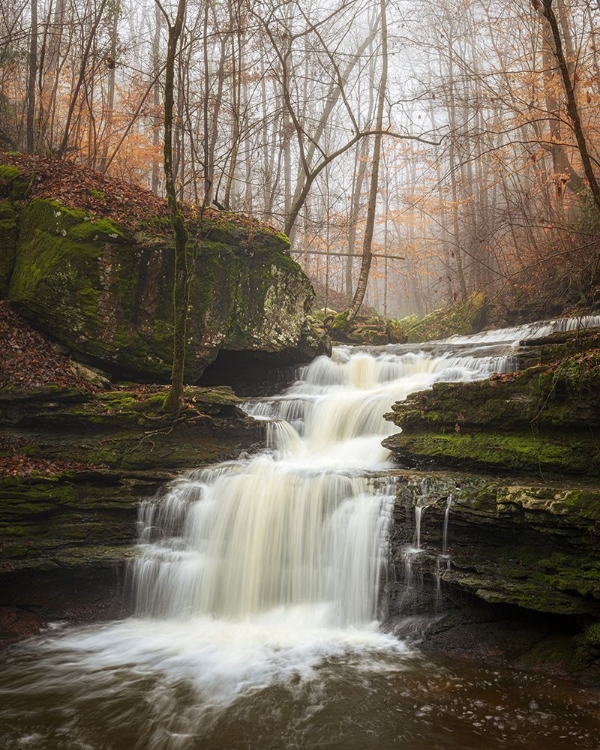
[103, 286]
[460, 319]
[545, 419]
[66, 534]
[519, 579]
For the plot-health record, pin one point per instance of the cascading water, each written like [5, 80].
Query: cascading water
[446, 520]
[257, 589]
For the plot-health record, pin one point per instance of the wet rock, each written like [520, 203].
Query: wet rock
[65, 539]
[519, 580]
[543, 419]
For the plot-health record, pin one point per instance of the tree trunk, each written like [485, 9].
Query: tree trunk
[174, 397]
[156, 69]
[32, 78]
[367, 254]
[572, 108]
[112, 67]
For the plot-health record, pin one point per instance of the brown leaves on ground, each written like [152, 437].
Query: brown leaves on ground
[129, 205]
[21, 465]
[28, 360]
[504, 377]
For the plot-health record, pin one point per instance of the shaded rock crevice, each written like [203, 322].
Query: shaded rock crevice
[519, 580]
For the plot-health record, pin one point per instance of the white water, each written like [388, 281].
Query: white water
[530, 330]
[257, 573]
[272, 563]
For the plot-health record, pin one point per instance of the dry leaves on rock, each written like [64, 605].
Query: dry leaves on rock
[28, 360]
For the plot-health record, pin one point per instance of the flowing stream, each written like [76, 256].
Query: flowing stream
[257, 601]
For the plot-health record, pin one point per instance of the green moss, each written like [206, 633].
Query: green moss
[592, 635]
[7, 212]
[397, 331]
[340, 323]
[95, 289]
[458, 319]
[8, 245]
[98, 230]
[98, 194]
[285, 240]
[8, 172]
[502, 452]
[583, 502]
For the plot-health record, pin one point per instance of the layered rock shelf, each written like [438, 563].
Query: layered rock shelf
[67, 534]
[508, 562]
[541, 420]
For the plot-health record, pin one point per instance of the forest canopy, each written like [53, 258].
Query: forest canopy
[456, 142]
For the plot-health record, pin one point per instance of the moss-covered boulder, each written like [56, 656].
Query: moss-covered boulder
[106, 292]
[460, 319]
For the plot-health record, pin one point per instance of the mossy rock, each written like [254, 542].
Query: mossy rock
[363, 330]
[108, 296]
[369, 334]
[12, 184]
[461, 319]
[341, 324]
[397, 330]
[541, 419]
[8, 244]
[516, 453]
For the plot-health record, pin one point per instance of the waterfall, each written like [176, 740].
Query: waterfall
[301, 524]
[261, 536]
[258, 588]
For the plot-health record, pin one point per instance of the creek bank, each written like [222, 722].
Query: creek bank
[542, 420]
[374, 330]
[89, 262]
[517, 581]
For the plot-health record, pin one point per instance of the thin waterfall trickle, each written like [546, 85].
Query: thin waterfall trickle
[446, 519]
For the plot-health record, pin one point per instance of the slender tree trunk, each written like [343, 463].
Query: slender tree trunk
[572, 107]
[174, 397]
[80, 78]
[110, 97]
[458, 252]
[360, 170]
[156, 69]
[33, 42]
[367, 254]
[208, 166]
